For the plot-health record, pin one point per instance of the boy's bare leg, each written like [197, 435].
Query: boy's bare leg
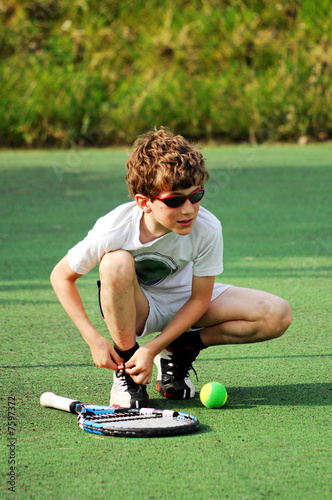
[125, 309]
[241, 315]
[124, 304]
[237, 316]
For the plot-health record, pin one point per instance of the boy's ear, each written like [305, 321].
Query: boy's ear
[143, 202]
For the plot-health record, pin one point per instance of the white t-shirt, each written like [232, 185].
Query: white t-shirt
[169, 261]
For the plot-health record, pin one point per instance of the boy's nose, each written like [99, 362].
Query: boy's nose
[187, 207]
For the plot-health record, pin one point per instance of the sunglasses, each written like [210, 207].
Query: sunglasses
[176, 200]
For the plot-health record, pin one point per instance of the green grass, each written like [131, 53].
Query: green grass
[272, 438]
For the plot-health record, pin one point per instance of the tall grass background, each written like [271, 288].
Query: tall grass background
[91, 73]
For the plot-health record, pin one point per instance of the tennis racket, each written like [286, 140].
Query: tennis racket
[123, 422]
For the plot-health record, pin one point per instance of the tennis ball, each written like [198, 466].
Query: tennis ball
[213, 395]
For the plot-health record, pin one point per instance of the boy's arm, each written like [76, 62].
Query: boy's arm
[140, 365]
[63, 280]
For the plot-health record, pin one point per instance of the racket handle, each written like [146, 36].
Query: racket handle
[51, 400]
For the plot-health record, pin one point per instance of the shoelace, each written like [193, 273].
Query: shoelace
[181, 365]
[127, 380]
[125, 377]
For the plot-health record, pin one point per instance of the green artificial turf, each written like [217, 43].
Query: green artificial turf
[272, 439]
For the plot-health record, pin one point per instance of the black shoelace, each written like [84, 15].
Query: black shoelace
[182, 364]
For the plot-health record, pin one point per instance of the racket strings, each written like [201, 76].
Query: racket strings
[137, 425]
[121, 418]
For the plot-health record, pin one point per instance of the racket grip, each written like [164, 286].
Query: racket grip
[51, 400]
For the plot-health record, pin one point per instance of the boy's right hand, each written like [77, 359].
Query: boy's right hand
[104, 354]
[139, 366]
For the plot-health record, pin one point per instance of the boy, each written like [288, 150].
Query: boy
[158, 257]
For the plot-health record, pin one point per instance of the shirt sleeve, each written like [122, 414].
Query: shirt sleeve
[87, 253]
[108, 234]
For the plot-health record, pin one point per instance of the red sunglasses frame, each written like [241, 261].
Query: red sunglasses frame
[185, 197]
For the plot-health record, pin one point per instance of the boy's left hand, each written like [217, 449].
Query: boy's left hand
[139, 367]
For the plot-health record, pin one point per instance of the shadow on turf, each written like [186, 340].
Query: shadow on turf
[323, 355]
[316, 394]
[315, 271]
[280, 395]
[72, 365]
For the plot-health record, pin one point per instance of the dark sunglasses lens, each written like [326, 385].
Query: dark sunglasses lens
[196, 197]
[177, 201]
[174, 201]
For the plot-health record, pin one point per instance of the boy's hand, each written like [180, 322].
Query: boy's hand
[139, 367]
[104, 354]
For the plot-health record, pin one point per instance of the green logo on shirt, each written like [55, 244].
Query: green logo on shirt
[153, 268]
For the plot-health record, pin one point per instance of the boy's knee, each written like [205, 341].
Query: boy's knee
[278, 318]
[117, 266]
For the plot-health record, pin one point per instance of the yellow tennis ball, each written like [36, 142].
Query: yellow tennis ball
[213, 395]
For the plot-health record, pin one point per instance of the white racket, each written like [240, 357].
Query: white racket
[124, 422]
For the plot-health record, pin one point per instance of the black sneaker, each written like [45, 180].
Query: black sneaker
[125, 393]
[173, 365]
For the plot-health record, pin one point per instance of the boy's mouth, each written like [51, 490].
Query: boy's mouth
[186, 222]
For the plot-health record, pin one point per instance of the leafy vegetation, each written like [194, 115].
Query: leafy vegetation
[98, 73]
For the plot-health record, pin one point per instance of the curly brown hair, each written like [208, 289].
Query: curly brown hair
[160, 160]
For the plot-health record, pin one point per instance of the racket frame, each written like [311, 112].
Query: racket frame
[93, 418]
